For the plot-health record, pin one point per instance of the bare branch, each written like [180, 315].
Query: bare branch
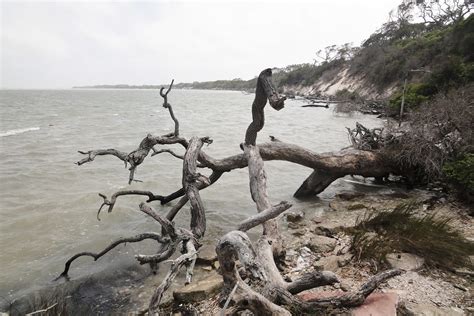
[96, 256]
[265, 90]
[42, 310]
[165, 223]
[113, 199]
[156, 152]
[91, 154]
[311, 280]
[166, 283]
[189, 248]
[166, 105]
[263, 216]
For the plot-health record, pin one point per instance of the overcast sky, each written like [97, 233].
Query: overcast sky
[63, 44]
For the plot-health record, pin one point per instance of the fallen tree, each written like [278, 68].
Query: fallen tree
[265, 292]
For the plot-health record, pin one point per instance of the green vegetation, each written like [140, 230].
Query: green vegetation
[443, 51]
[401, 230]
[415, 94]
[461, 171]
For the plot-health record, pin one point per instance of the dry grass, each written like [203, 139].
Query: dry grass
[401, 230]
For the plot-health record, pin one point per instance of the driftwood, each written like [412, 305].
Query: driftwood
[315, 105]
[266, 288]
[264, 291]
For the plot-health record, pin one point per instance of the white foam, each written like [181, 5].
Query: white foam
[18, 131]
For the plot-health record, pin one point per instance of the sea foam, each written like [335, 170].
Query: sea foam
[18, 131]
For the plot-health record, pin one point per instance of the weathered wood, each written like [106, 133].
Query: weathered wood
[190, 185]
[327, 166]
[248, 299]
[266, 288]
[164, 222]
[316, 183]
[263, 216]
[113, 198]
[166, 105]
[234, 246]
[96, 256]
[311, 280]
[351, 299]
[265, 90]
[189, 248]
[153, 308]
[137, 156]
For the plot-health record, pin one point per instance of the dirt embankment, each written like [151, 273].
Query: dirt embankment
[340, 79]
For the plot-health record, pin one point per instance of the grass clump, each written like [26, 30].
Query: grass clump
[401, 230]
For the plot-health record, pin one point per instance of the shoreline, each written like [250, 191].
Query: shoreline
[128, 289]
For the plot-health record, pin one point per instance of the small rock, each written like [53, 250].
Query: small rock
[294, 217]
[345, 287]
[328, 263]
[317, 220]
[292, 225]
[337, 205]
[348, 196]
[410, 308]
[344, 260]
[321, 244]
[206, 255]
[356, 206]
[299, 232]
[199, 291]
[326, 229]
[405, 261]
[378, 304]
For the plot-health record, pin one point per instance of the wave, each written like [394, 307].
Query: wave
[18, 131]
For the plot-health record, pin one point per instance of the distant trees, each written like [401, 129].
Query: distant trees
[437, 12]
[335, 52]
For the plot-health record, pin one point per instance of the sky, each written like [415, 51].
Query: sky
[62, 44]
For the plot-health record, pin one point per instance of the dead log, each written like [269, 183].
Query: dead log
[265, 292]
[265, 288]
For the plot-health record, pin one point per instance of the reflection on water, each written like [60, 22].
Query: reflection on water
[48, 204]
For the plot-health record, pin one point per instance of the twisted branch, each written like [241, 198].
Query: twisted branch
[96, 256]
[113, 198]
[155, 301]
[166, 105]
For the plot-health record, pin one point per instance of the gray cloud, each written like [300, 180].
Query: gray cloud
[62, 44]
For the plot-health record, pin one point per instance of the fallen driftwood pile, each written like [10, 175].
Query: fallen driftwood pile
[258, 286]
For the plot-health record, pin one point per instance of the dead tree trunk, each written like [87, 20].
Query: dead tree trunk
[265, 290]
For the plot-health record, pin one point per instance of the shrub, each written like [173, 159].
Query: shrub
[415, 94]
[461, 174]
[440, 130]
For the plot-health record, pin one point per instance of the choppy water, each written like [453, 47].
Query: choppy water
[48, 204]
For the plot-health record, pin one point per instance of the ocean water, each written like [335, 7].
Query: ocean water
[48, 204]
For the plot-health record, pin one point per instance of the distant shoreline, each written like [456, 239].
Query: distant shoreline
[119, 86]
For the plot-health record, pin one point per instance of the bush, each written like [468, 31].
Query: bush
[440, 131]
[415, 94]
[461, 171]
